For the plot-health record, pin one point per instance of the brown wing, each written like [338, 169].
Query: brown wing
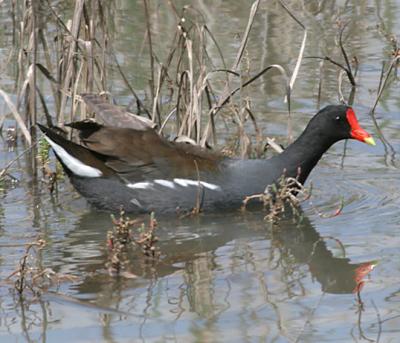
[143, 154]
[112, 115]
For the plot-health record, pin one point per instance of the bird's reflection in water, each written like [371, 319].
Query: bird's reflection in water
[337, 275]
[208, 252]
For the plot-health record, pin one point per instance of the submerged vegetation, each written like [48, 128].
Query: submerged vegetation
[124, 237]
[277, 198]
[31, 276]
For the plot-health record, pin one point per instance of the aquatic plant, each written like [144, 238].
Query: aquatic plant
[124, 237]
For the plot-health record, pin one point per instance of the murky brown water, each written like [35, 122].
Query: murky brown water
[230, 277]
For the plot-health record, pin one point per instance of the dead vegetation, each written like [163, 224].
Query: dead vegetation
[26, 274]
[277, 198]
[127, 235]
[65, 57]
[30, 275]
[287, 195]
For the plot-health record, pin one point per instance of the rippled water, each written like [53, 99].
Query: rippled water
[231, 277]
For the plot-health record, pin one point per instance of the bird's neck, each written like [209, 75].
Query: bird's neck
[301, 156]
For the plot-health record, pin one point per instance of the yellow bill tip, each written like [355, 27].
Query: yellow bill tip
[370, 141]
[374, 263]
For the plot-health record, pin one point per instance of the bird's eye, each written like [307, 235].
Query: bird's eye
[337, 118]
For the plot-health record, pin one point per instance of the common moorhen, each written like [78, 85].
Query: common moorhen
[142, 171]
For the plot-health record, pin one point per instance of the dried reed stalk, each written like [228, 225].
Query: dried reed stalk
[69, 61]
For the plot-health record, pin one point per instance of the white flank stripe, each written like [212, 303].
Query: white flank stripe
[165, 183]
[72, 163]
[140, 185]
[188, 182]
[171, 185]
[210, 186]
